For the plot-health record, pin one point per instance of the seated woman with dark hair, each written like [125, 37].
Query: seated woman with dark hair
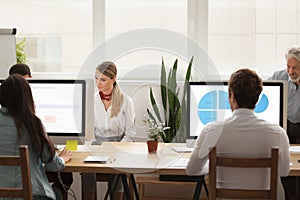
[61, 181]
[20, 126]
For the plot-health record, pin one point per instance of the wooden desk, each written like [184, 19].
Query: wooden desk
[125, 157]
[133, 158]
[295, 167]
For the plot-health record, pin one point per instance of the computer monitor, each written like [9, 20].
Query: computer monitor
[61, 106]
[208, 102]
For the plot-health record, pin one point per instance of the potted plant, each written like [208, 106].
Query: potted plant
[155, 132]
[174, 110]
[20, 51]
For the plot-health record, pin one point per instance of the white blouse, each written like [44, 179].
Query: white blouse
[106, 126]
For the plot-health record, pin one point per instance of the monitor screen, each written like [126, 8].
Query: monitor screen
[60, 104]
[208, 102]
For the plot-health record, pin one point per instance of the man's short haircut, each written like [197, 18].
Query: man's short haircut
[293, 52]
[246, 86]
[21, 69]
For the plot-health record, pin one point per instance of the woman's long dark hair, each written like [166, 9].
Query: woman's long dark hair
[16, 96]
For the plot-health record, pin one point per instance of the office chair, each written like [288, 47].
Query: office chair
[216, 161]
[21, 160]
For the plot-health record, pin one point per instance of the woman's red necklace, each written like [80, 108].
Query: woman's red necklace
[106, 97]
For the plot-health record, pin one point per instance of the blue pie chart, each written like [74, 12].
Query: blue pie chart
[216, 101]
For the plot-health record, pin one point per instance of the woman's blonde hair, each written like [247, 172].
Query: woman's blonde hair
[109, 69]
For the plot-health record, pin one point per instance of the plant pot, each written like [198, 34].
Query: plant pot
[152, 146]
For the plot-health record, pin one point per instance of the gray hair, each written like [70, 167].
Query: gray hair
[293, 52]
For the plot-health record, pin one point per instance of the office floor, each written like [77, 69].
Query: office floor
[176, 192]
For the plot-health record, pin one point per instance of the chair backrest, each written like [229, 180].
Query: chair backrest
[270, 162]
[21, 160]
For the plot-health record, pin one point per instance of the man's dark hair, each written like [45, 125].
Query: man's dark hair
[21, 69]
[246, 86]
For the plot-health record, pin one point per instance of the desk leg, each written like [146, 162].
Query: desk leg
[200, 183]
[197, 190]
[131, 176]
[88, 186]
[298, 186]
[125, 186]
[112, 186]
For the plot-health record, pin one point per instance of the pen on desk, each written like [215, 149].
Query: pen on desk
[60, 149]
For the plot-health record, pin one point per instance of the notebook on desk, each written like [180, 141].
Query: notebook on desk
[182, 149]
[97, 159]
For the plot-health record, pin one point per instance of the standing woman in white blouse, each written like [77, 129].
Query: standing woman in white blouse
[113, 110]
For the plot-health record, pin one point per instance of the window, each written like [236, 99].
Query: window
[122, 16]
[61, 34]
[252, 33]
[58, 32]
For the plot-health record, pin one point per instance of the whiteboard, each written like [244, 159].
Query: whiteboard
[7, 50]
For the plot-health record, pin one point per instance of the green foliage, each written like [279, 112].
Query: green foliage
[20, 51]
[155, 130]
[174, 110]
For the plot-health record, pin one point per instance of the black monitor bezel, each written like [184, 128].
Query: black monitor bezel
[225, 83]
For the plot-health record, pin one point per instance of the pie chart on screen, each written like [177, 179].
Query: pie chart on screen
[217, 101]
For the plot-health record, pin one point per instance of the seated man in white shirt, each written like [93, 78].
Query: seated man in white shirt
[242, 135]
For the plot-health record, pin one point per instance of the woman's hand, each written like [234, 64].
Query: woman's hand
[65, 154]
